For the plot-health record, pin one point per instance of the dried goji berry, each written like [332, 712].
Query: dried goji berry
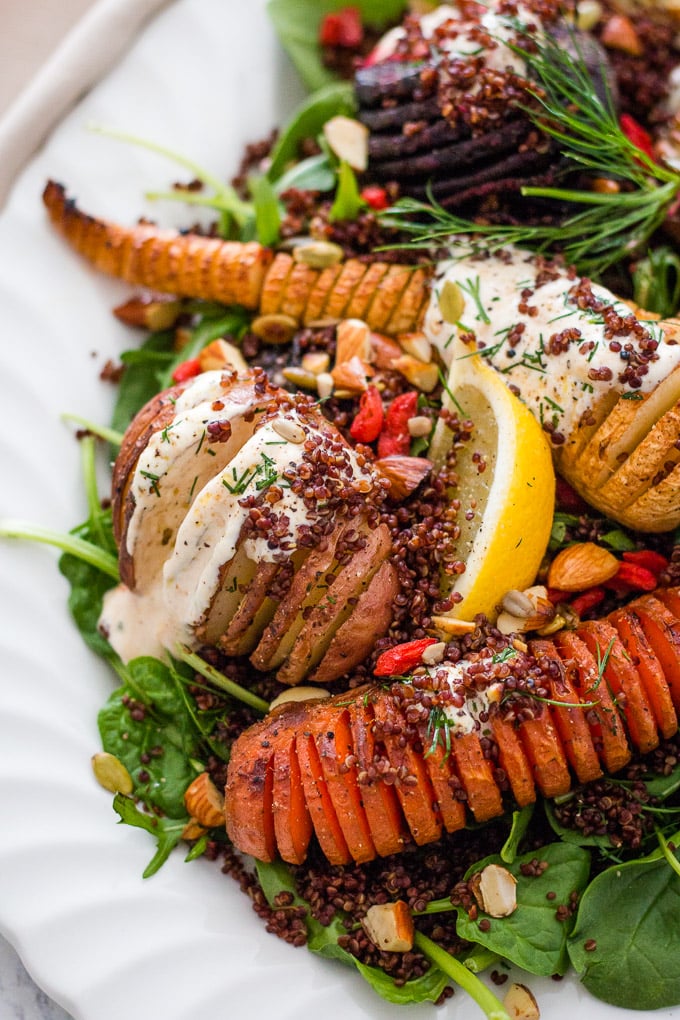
[395, 437]
[587, 600]
[402, 658]
[567, 498]
[375, 196]
[368, 422]
[186, 370]
[631, 577]
[342, 28]
[648, 558]
[556, 595]
[636, 134]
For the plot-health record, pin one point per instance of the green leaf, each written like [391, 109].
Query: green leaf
[656, 282]
[520, 824]
[297, 24]
[277, 877]
[348, 201]
[629, 918]
[167, 832]
[313, 174]
[308, 120]
[618, 540]
[141, 379]
[158, 748]
[574, 836]
[532, 937]
[267, 211]
[228, 322]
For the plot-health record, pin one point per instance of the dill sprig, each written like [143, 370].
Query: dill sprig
[605, 228]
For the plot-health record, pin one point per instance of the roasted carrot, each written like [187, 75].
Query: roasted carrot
[391, 298]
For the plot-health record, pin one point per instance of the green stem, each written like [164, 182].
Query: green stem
[77, 547]
[459, 973]
[222, 202]
[220, 680]
[667, 852]
[100, 431]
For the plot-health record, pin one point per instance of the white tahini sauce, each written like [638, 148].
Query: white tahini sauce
[559, 388]
[472, 714]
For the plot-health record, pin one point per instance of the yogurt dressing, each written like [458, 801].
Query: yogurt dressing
[499, 292]
[471, 716]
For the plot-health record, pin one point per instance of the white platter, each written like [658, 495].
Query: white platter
[204, 77]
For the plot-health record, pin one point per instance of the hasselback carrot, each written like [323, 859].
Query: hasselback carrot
[360, 774]
[391, 298]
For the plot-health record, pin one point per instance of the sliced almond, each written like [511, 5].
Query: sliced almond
[580, 566]
[383, 351]
[434, 654]
[619, 34]
[325, 384]
[525, 610]
[389, 926]
[404, 473]
[110, 773]
[293, 695]
[352, 339]
[520, 1004]
[348, 138]
[452, 627]
[417, 345]
[315, 362]
[301, 377]
[204, 802]
[495, 890]
[588, 14]
[221, 354]
[349, 376]
[421, 375]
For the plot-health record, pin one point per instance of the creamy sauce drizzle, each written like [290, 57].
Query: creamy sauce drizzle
[558, 387]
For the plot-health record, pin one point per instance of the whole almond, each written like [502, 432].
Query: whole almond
[581, 566]
[619, 33]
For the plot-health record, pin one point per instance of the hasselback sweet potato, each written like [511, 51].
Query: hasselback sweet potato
[366, 778]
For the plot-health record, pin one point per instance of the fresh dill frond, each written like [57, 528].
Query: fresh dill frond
[604, 228]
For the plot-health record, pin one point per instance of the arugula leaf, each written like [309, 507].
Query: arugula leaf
[532, 937]
[308, 120]
[167, 832]
[625, 943]
[297, 24]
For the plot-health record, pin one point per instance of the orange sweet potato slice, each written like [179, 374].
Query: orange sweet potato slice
[414, 788]
[603, 717]
[335, 746]
[642, 656]
[321, 810]
[546, 754]
[513, 760]
[380, 802]
[623, 681]
[249, 793]
[476, 775]
[663, 633]
[440, 768]
[571, 723]
[292, 824]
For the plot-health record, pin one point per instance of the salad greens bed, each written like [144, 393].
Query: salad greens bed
[623, 936]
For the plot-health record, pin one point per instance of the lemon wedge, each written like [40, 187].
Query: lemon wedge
[506, 485]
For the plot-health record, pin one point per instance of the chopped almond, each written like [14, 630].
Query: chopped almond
[389, 926]
[404, 473]
[221, 354]
[157, 311]
[353, 339]
[204, 802]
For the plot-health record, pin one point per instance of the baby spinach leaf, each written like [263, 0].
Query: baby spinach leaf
[158, 747]
[297, 24]
[141, 379]
[210, 326]
[308, 120]
[427, 988]
[313, 174]
[532, 937]
[625, 943]
[574, 836]
[267, 211]
[348, 201]
[166, 831]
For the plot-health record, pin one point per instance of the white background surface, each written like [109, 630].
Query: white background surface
[31, 30]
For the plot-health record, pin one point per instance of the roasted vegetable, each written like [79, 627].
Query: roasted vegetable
[372, 769]
[247, 522]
